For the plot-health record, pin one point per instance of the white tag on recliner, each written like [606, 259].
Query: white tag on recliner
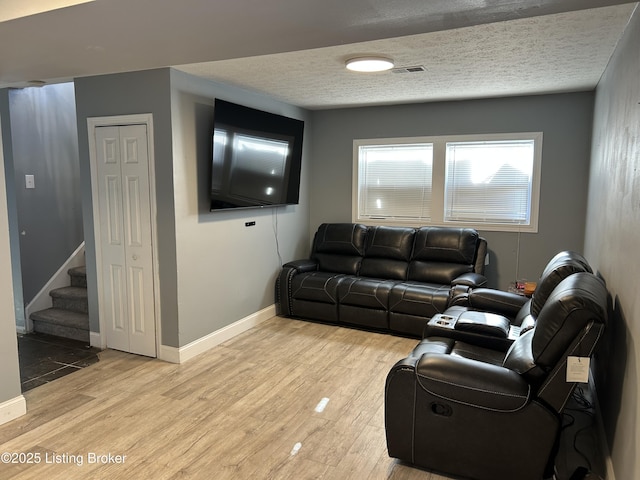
[578, 369]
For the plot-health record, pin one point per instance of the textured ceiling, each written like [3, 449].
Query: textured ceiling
[552, 53]
[295, 49]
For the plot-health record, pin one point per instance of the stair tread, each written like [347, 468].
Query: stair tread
[62, 331]
[78, 276]
[65, 318]
[69, 292]
[68, 317]
[82, 270]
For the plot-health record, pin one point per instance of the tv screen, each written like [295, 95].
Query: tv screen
[256, 159]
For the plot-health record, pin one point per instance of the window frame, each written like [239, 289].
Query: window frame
[439, 180]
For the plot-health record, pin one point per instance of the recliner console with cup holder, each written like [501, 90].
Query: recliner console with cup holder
[495, 318]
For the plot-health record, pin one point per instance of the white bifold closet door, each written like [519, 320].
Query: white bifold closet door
[125, 243]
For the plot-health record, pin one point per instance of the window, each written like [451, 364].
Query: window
[489, 182]
[393, 192]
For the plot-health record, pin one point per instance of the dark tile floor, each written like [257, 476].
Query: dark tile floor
[44, 358]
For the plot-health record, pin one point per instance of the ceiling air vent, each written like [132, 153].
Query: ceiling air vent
[414, 69]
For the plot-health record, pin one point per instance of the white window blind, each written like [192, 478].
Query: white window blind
[394, 181]
[489, 182]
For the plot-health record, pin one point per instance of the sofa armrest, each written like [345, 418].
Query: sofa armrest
[283, 283]
[473, 383]
[473, 280]
[505, 303]
[301, 266]
[459, 295]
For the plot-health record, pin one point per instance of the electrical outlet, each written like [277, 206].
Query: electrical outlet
[29, 181]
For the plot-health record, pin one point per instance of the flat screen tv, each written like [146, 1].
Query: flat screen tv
[256, 158]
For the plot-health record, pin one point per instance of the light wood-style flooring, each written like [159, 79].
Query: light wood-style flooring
[244, 410]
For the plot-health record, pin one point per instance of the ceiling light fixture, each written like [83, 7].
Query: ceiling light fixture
[369, 64]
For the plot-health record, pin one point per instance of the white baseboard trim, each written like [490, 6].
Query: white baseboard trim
[169, 354]
[95, 340]
[182, 354]
[12, 409]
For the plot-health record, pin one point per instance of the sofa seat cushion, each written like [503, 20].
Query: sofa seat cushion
[456, 348]
[365, 302]
[476, 352]
[412, 304]
[420, 299]
[491, 387]
[365, 292]
[436, 272]
[450, 346]
[317, 287]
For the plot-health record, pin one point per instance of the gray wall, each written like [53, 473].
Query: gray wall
[226, 271]
[45, 144]
[611, 243]
[125, 94]
[564, 119]
[9, 371]
[213, 270]
[18, 319]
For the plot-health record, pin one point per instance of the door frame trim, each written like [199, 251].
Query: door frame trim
[100, 339]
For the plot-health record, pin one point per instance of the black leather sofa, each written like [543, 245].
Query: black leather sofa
[479, 413]
[384, 278]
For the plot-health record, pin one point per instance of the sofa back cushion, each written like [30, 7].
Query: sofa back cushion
[577, 301]
[440, 254]
[339, 247]
[559, 267]
[387, 252]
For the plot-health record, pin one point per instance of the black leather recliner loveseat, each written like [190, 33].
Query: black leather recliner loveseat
[384, 278]
[462, 408]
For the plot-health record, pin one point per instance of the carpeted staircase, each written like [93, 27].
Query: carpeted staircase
[69, 316]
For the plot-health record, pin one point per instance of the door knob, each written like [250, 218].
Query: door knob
[135, 257]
